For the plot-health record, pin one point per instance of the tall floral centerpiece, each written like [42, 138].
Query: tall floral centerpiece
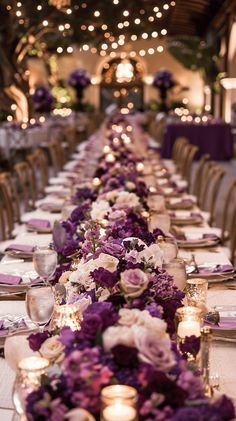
[164, 81]
[79, 79]
[42, 99]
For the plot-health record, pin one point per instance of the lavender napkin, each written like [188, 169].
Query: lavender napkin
[38, 223]
[10, 279]
[215, 269]
[182, 237]
[21, 247]
[50, 206]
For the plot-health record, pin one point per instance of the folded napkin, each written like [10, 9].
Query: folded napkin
[213, 269]
[21, 247]
[10, 279]
[38, 223]
[48, 206]
[183, 237]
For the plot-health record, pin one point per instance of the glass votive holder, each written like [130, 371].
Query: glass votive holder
[196, 292]
[66, 315]
[160, 221]
[27, 380]
[188, 321]
[119, 403]
[169, 247]
[176, 268]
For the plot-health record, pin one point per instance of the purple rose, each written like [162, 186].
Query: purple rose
[104, 277]
[37, 339]
[125, 356]
[105, 311]
[134, 282]
[91, 325]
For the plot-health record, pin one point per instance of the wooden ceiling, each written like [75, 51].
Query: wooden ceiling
[195, 17]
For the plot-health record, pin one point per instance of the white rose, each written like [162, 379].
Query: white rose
[153, 324]
[107, 262]
[127, 198]
[130, 185]
[111, 195]
[133, 282]
[128, 317]
[64, 278]
[79, 414]
[152, 254]
[117, 335]
[99, 210]
[82, 274]
[52, 348]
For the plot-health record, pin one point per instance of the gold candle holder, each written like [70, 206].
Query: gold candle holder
[66, 315]
[118, 403]
[28, 378]
[196, 292]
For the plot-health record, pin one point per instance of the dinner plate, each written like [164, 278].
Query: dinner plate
[198, 243]
[184, 204]
[212, 272]
[26, 255]
[32, 228]
[186, 220]
[28, 278]
[14, 324]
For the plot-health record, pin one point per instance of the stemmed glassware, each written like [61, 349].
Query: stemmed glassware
[45, 262]
[40, 296]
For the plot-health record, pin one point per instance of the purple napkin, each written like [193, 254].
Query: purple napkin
[215, 269]
[196, 214]
[48, 206]
[21, 247]
[38, 223]
[10, 279]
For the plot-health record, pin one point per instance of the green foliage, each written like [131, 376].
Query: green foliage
[197, 55]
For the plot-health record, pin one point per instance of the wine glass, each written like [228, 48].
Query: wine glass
[45, 262]
[40, 304]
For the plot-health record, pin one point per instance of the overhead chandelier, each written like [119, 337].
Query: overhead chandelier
[124, 72]
[60, 4]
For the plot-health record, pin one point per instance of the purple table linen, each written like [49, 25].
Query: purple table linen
[215, 139]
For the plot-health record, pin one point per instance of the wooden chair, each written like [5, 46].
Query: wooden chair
[70, 139]
[38, 162]
[187, 169]
[198, 175]
[57, 155]
[228, 229]
[10, 197]
[177, 149]
[27, 186]
[210, 192]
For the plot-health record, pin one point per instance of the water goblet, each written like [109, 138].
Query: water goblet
[45, 262]
[40, 304]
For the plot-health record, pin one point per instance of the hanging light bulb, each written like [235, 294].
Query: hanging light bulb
[124, 72]
[59, 4]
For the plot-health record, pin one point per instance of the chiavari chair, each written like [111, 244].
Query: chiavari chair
[10, 197]
[57, 155]
[213, 178]
[26, 182]
[178, 147]
[199, 175]
[228, 229]
[38, 162]
[187, 169]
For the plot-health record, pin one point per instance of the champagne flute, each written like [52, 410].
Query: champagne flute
[40, 304]
[45, 262]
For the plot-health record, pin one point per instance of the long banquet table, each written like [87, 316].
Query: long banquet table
[215, 139]
[223, 355]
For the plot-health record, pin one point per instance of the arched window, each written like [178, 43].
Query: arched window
[122, 84]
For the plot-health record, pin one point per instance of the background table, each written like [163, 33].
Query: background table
[215, 139]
